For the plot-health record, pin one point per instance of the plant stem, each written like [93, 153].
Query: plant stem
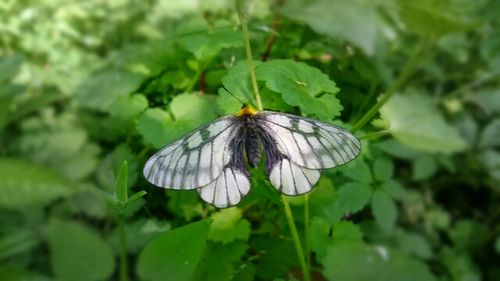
[296, 240]
[242, 13]
[248, 50]
[396, 86]
[123, 251]
[306, 229]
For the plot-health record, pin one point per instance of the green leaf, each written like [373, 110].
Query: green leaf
[354, 21]
[121, 184]
[301, 85]
[207, 45]
[434, 18]
[395, 189]
[228, 226]
[415, 244]
[237, 88]
[100, 91]
[320, 239]
[175, 254]
[23, 184]
[353, 196]
[358, 170]
[218, 261]
[128, 107]
[424, 167]
[198, 109]
[156, 127]
[78, 253]
[383, 168]
[352, 261]
[276, 256]
[416, 122]
[18, 274]
[9, 67]
[490, 136]
[384, 209]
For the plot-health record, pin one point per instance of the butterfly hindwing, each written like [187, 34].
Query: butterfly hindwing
[291, 179]
[194, 160]
[310, 143]
[228, 189]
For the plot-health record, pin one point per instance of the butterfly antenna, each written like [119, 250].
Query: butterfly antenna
[238, 99]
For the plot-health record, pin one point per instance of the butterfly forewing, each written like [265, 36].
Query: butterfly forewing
[194, 160]
[310, 143]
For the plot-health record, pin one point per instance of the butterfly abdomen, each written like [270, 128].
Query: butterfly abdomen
[253, 145]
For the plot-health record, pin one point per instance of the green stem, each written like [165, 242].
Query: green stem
[248, 50]
[396, 86]
[242, 13]
[296, 239]
[123, 252]
[306, 229]
[375, 135]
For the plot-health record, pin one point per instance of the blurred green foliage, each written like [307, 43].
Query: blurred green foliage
[86, 85]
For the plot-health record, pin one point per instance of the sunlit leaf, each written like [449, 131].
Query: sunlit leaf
[417, 123]
[301, 85]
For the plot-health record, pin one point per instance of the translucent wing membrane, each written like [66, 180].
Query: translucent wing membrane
[228, 189]
[291, 179]
[196, 159]
[310, 143]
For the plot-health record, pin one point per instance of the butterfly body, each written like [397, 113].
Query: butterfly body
[213, 159]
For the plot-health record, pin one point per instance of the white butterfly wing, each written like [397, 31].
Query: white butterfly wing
[194, 160]
[228, 189]
[310, 143]
[291, 179]
[301, 148]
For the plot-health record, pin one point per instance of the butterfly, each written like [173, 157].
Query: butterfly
[213, 159]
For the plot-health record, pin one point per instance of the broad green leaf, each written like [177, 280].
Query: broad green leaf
[414, 244]
[384, 209]
[101, 89]
[395, 189]
[228, 226]
[383, 168]
[218, 262]
[488, 100]
[301, 85]
[490, 136]
[206, 45]
[78, 253]
[276, 256]
[353, 196]
[342, 232]
[9, 67]
[17, 241]
[424, 167]
[23, 184]
[434, 18]
[199, 109]
[128, 107]
[349, 261]
[358, 170]
[20, 274]
[417, 123]
[158, 129]
[355, 21]
[237, 83]
[175, 254]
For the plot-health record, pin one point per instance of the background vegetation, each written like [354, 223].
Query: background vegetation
[85, 85]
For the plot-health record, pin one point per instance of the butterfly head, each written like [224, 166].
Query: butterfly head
[247, 111]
